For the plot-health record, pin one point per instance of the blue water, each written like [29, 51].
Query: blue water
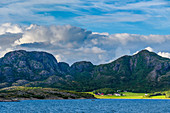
[87, 106]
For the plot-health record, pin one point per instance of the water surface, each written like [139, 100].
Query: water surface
[87, 106]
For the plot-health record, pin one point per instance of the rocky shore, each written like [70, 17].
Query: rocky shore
[9, 100]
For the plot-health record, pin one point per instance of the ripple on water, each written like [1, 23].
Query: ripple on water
[87, 106]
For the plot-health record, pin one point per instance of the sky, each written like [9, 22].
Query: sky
[99, 31]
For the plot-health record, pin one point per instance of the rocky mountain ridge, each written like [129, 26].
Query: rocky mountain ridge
[144, 71]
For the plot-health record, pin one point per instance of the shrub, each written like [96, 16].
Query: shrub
[168, 94]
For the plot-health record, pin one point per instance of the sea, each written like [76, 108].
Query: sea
[87, 106]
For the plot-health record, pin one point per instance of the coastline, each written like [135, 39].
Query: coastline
[132, 98]
[139, 98]
[21, 99]
[93, 99]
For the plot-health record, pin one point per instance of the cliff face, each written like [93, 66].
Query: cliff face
[28, 65]
[144, 71]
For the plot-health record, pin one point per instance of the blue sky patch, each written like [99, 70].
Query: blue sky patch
[113, 16]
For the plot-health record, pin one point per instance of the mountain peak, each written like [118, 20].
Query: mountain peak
[146, 53]
[142, 71]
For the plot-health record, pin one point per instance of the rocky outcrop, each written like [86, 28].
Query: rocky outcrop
[81, 66]
[28, 65]
[145, 70]
[20, 83]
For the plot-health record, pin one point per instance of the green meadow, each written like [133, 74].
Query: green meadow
[129, 95]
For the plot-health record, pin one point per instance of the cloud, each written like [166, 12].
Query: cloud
[94, 50]
[63, 36]
[136, 53]
[164, 54]
[58, 57]
[9, 28]
[70, 44]
[124, 38]
[118, 27]
[120, 52]
[143, 4]
[149, 49]
[32, 11]
[104, 33]
[116, 17]
[155, 38]
[111, 14]
[3, 52]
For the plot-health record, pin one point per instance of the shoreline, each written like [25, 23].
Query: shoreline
[21, 99]
[135, 98]
[18, 100]
[139, 98]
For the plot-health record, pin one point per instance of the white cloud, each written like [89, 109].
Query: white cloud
[136, 53]
[31, 27]
[164, 54]
[155, 38]
[116, 17]
[70, 44]
[3, 52]
[143, 4]
[28, 11]
[9, 28]
[104, 33]
[94, 50]
[123, 38]
[64, 36]
[58, 57]
[94, 41]
[149, 49]
[120, 52]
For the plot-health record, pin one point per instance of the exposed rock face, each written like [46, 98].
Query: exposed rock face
[20, 82]
[81, 66]
[28, 65]
[141, 71]
[145, 70]
[64, 67]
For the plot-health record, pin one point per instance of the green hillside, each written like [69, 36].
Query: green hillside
[143, 72]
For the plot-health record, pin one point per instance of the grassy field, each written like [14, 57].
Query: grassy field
[129, 95]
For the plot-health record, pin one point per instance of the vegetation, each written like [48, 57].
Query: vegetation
[128, 95]
[105, 91]
[144, 72]
[20, 93]
[168, 94]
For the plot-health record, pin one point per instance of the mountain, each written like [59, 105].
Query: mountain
[143, 72]
[28, 65]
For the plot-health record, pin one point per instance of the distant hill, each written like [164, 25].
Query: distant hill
[143, 72]
[16, 93]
